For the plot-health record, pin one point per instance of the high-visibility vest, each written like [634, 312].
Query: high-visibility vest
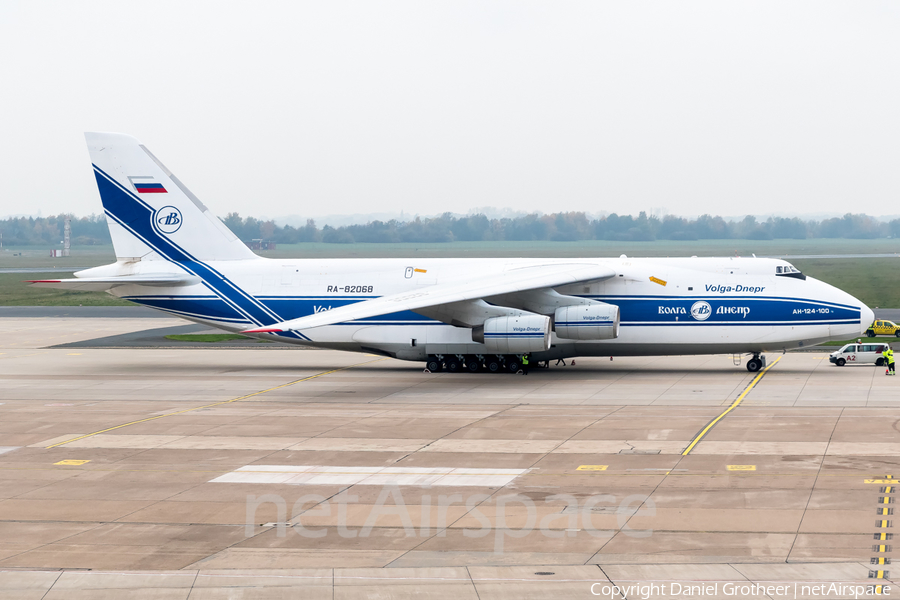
[525, 360]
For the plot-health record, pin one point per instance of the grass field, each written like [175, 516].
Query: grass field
[39, 256]
[872, 280]
[883, 339]
[15, 292]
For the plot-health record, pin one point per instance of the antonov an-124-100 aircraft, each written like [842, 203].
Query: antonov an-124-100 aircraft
[173, 254]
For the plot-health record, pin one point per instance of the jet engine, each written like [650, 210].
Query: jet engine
[514, 335]
[587, 322]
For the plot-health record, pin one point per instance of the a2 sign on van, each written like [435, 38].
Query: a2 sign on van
[859, 354]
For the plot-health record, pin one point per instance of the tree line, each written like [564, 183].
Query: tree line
[563, 226]
[41, 231]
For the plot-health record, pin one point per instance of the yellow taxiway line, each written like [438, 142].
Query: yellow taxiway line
[734, 405]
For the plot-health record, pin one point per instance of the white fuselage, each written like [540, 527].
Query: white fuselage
[667, 305]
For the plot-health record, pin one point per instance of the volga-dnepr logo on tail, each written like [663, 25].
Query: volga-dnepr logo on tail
[168, 219]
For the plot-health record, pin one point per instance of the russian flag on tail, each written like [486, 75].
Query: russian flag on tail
[147, 185]
[150, 188]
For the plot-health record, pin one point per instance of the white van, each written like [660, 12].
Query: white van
[859, 354]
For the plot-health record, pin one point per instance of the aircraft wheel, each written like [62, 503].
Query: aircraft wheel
[513, 365]
[472, 364]
[870, 333]
[879, 362]
[453, 365]
[434, 365]
[840, 362]
[754, 365]
[493, 365]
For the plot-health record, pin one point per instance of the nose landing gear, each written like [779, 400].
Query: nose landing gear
[756, 363]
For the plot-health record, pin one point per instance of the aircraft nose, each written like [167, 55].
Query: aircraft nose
[866, 317]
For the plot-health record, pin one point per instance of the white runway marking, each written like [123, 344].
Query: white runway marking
[332, 475]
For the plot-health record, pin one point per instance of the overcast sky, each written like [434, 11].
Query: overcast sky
[312, 108]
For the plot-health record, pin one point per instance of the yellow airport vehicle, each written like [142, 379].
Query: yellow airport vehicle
[883, 328]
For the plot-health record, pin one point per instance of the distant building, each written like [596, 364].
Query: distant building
[261, 245]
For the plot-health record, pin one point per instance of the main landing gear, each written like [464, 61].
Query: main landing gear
[756, 363]
[473, 363]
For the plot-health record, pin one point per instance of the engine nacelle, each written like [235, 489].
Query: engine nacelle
[514, 335]
[587, 322]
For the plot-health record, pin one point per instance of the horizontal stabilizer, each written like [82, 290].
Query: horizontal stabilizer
[528, 277]
[101, 284]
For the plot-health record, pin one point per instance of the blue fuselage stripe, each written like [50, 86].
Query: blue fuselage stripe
[293, 307]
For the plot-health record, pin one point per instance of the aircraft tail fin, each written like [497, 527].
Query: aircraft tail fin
[151, 214]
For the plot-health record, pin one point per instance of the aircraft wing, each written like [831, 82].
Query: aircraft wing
[101, 284]
[529, 277]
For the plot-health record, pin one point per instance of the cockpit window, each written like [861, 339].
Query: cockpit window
[789, 271]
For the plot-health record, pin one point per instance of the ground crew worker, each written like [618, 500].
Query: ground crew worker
[888, 355]
[524, 364]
